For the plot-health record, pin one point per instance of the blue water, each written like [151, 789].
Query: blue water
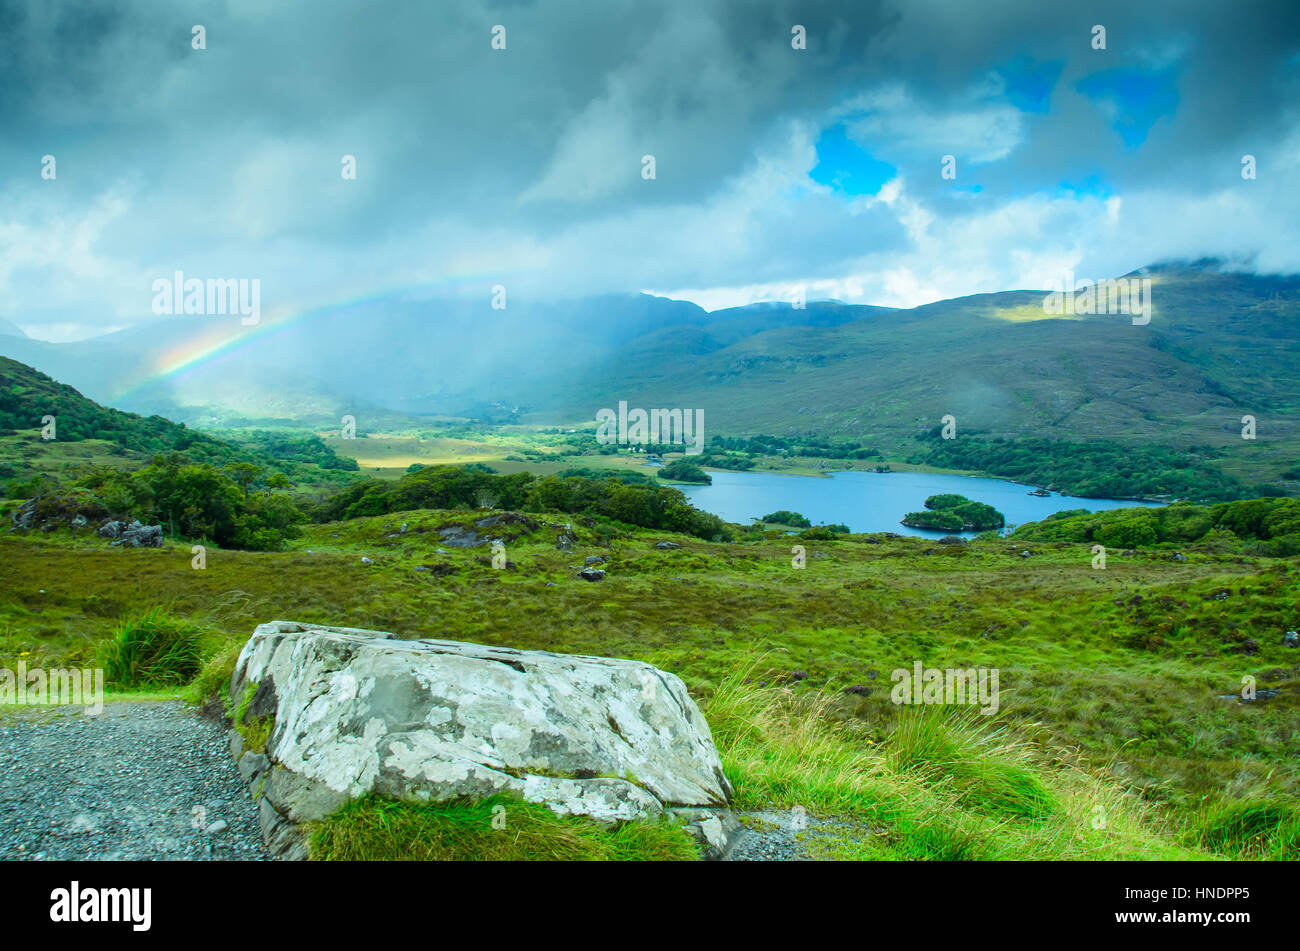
[874, 501]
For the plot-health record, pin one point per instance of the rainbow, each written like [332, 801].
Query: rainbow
[220, 342]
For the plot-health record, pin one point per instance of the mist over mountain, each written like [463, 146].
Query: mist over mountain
[1218, 344]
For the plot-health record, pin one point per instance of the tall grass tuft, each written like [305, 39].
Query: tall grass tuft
[153, 649]
[987, 770]
[1267, 828]
[213, 679]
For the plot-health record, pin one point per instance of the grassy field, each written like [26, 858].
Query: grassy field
[387, 455]
[1112, 681]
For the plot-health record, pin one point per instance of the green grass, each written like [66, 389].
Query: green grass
[498, 828]
[153, 649]
[1123, 668]
[213, 678]
[941, 785]
[1255, 828]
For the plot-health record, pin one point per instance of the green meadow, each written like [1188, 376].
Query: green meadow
[1119, 732]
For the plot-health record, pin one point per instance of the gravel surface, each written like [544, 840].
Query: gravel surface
[773, 836]
[143, 780]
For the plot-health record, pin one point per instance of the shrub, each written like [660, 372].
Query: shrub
[945, 500]
[1139, 528]
[786, 517]
[152, 648]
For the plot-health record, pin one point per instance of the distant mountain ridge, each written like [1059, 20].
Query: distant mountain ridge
[1219, 346]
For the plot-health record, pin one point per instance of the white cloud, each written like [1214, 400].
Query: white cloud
[893, 122]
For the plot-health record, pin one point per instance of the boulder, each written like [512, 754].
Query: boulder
[132, 534]
[592, 574]
[525, 523]
[355, 712]
[141, 536]
[438, 568]
[458, 536]
[24, 515]
[1291, 639]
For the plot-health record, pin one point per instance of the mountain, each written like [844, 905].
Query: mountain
[422, 357]
[8, 329]
[28, 396]
[85, 432]
[1219, 345]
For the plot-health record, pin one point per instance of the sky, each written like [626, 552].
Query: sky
[777, 170]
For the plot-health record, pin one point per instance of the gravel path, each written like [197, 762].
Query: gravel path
[777, 836]
[143, 780]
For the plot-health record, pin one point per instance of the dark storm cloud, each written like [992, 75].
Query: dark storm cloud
[526, 164]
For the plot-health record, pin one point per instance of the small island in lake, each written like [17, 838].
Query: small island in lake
[683, 471]
[949, 512]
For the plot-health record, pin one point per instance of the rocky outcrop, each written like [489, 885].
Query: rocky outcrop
[458, 536]
[351, 712]
[50, 514]
[132, 534]
[24, 516]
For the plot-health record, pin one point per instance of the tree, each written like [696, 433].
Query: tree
[244, 474]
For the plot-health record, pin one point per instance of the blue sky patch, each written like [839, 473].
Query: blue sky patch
[1093, 185]
[846, 167]
[1029, 84]
[1138, 99]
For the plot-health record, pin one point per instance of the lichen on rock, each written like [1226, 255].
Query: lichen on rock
[354, 712]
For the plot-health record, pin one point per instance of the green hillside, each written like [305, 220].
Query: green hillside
[88, 433]
[27, 396]
[1218, 346]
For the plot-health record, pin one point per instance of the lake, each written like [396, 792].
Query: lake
[875, 501]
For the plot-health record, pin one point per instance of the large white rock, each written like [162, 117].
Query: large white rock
[361, 711]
